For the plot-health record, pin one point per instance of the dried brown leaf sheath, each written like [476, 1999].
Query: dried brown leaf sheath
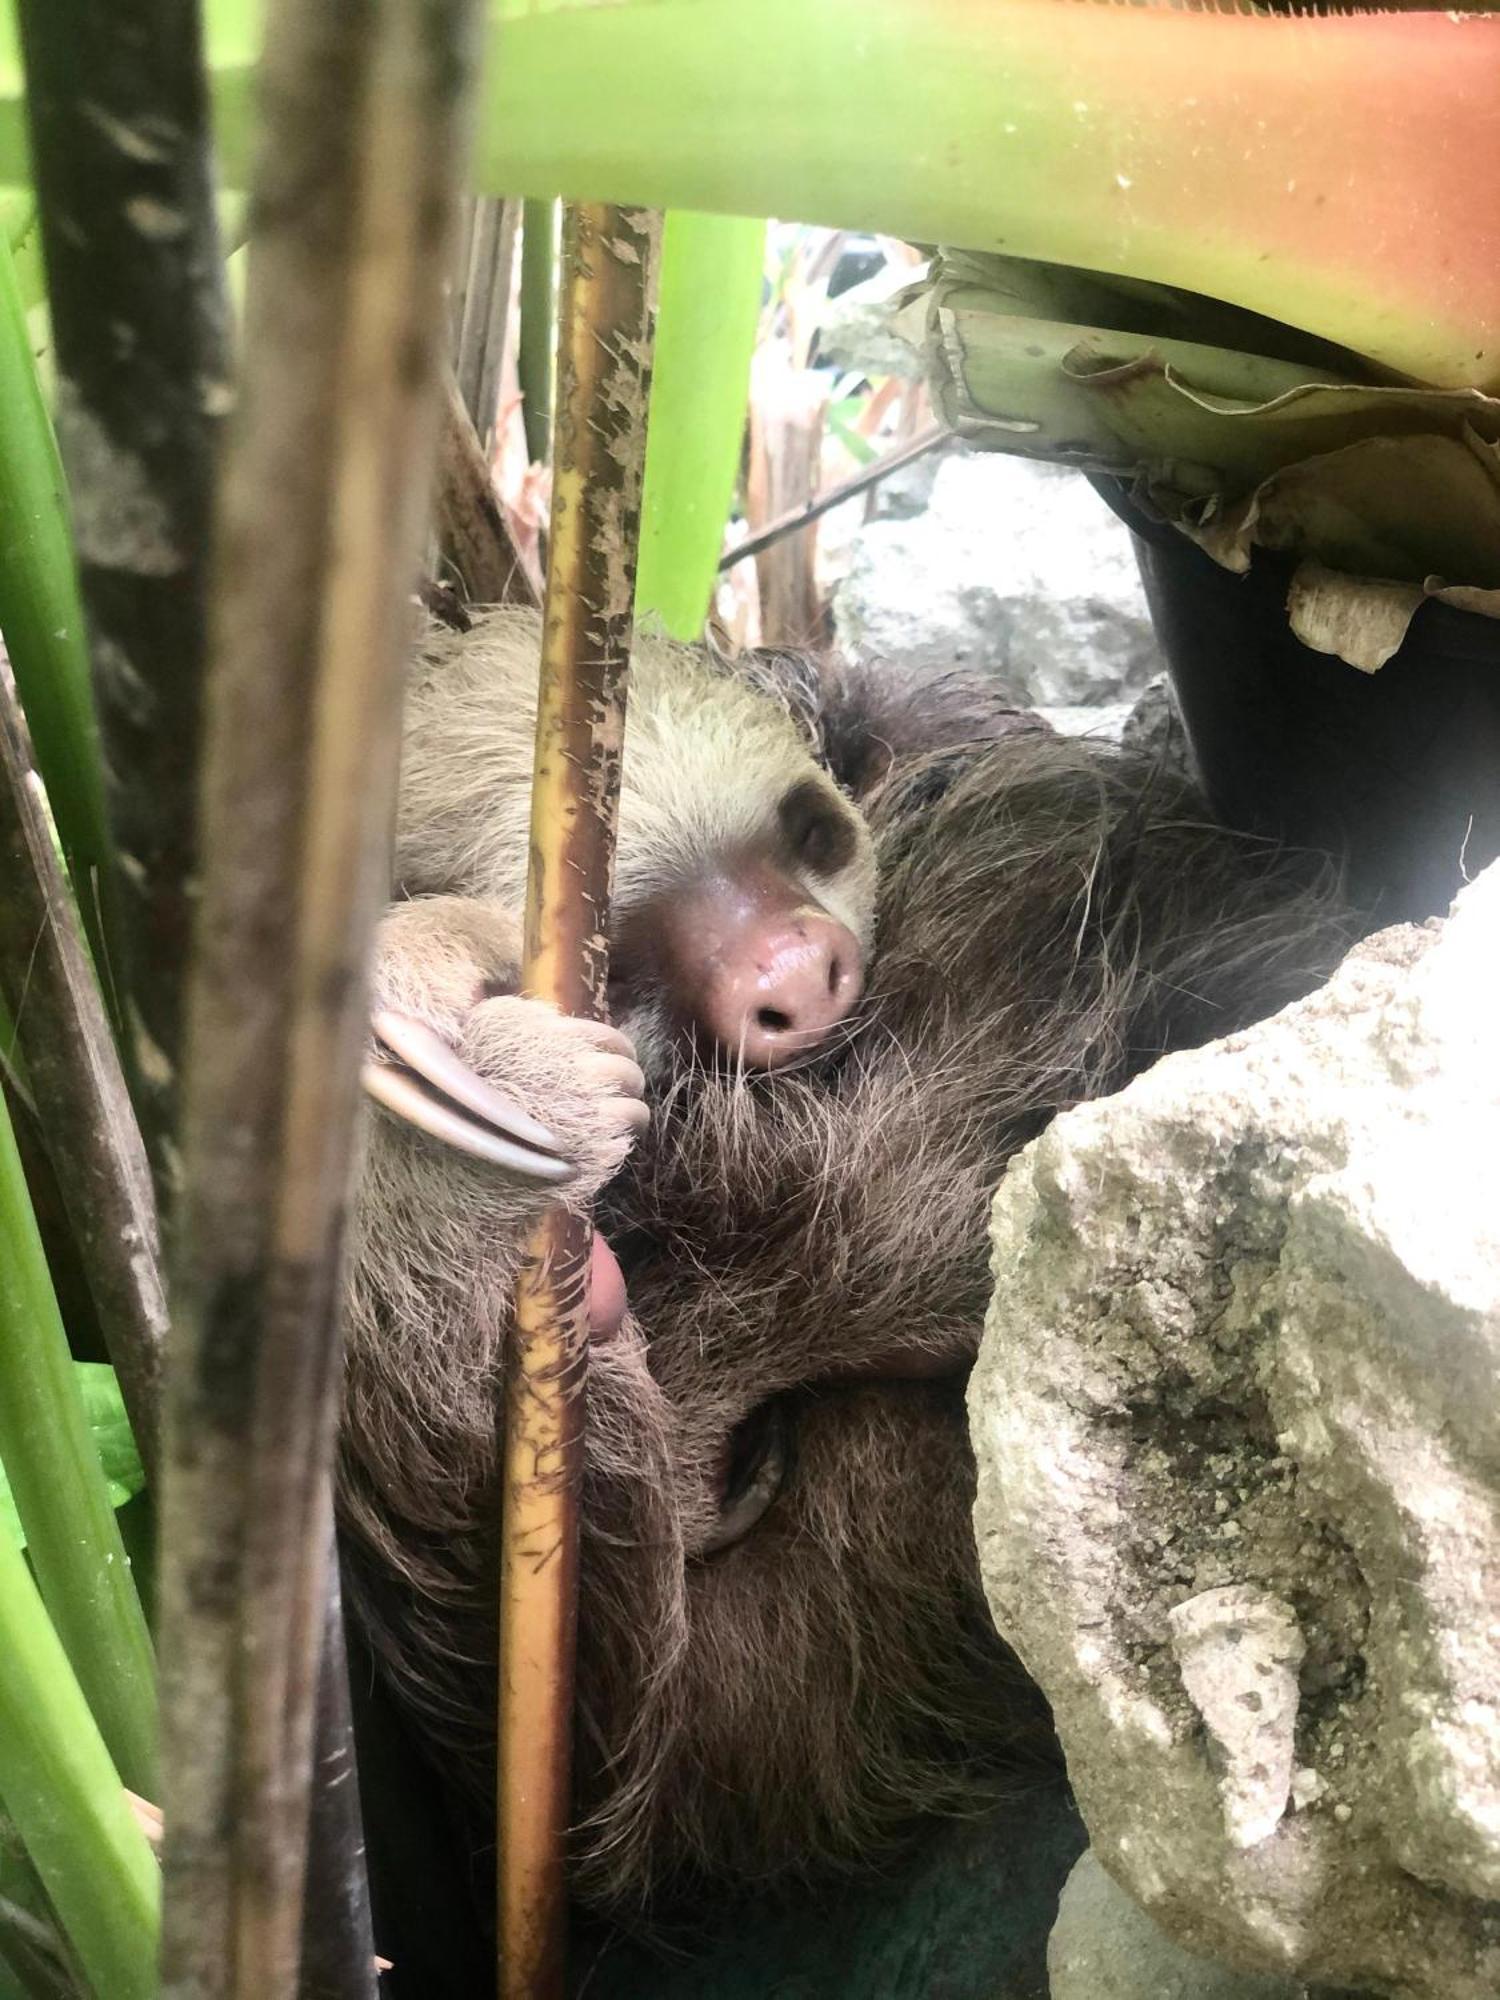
[89, 1130]
[599, 447]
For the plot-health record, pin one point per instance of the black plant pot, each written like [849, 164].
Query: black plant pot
[1398, 771]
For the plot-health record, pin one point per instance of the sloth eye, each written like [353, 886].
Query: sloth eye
[818, 834]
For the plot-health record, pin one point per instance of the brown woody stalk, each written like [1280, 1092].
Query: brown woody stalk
[481, 308]
[122, 153]
[320, 527]
[89, 1128]
[603, 372]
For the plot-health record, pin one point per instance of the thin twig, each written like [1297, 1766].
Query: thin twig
[321, 520]
[89, 1130]
[122, 153]
[844, 489]
[598, 457]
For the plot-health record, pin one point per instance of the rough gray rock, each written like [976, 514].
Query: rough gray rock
[1016, 566]
[862, 329]
[1150, 724]
[1237, 1419]
[1155, 727]
[1102, 722]
[1104, 1947]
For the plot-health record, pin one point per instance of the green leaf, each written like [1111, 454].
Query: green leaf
[64, 1795]
[120, 1462]
[41, 612]
[52, 1460]
[114, 1440]
[711, 277]
[858, 447]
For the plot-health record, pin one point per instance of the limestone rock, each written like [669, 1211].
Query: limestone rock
[1014, 566]
[1239, 1652]
[1245, 1339]
[1104, 1947]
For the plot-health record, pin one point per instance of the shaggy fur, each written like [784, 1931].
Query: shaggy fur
[805, 1249]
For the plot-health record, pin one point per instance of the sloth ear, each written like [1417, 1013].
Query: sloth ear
[879, 716]
[792, 679]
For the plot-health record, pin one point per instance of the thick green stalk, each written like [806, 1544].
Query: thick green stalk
[64, 1794]
[41, 614]
[1341, 174]
[1338, 173]
[538, 318]
[708, 310]
[60, 1493]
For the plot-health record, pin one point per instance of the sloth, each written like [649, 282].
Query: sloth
[869, 933]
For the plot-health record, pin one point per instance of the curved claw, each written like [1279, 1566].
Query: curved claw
[423, 1049]
[410, 1097]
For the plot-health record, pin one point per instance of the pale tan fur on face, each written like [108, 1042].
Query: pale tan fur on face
[707, 761]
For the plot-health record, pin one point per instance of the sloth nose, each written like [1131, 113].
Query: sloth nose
[784, 988]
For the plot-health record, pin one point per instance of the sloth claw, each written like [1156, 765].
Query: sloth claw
[431, 1089]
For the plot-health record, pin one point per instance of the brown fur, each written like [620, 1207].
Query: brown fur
[1051, 917]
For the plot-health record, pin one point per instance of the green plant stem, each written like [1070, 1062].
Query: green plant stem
[41, 613]
[538, 320]
[60, 1494]
[64, 1794]
[1235, 155]
[1238, 155]
[708, 310]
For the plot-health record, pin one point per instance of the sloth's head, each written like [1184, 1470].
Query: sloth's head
[744, 878]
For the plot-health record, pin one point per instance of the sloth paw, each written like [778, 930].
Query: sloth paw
[548, 1096]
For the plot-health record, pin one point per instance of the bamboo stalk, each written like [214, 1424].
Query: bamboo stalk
[71, 1532]
[89, 1129]
[609, 257]
[63, 1793]
[118, 115]
[321, 521]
